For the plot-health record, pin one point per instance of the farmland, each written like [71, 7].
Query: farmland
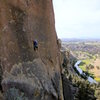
[88, 52]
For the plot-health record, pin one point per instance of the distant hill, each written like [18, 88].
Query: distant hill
[78, 40]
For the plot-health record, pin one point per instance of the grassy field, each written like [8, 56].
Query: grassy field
[87, 61]
[97, 79]
[83, 65]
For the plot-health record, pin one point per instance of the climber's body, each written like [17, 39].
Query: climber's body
[35, 44]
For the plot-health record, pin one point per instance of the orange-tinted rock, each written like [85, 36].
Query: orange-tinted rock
[21, 22]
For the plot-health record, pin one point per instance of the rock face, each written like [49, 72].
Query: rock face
[36, 74]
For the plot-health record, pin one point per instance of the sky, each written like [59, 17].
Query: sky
[77, 18]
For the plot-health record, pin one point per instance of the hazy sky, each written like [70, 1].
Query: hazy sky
[77, 18]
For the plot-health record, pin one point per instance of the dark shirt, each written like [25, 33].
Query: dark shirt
[35, 43]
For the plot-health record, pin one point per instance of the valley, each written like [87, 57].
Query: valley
[88, 51]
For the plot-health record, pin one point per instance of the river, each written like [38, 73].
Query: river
[90, 79]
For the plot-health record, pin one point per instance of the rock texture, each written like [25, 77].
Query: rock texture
[34, 73]
[67, 70]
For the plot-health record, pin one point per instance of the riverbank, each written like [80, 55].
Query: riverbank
[80, 71]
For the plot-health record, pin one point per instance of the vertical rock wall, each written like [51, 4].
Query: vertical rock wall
[35, 73]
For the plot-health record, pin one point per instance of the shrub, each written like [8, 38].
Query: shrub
[14, 94]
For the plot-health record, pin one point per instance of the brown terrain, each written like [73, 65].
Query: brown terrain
[96, 71]
[35, 74]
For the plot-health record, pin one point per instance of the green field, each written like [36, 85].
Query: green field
[87, 61]
[97, 79]
[82, 67]
[83, 64]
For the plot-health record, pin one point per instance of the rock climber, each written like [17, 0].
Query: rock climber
[35, 44]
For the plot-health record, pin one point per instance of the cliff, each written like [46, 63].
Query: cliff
[27, 73]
